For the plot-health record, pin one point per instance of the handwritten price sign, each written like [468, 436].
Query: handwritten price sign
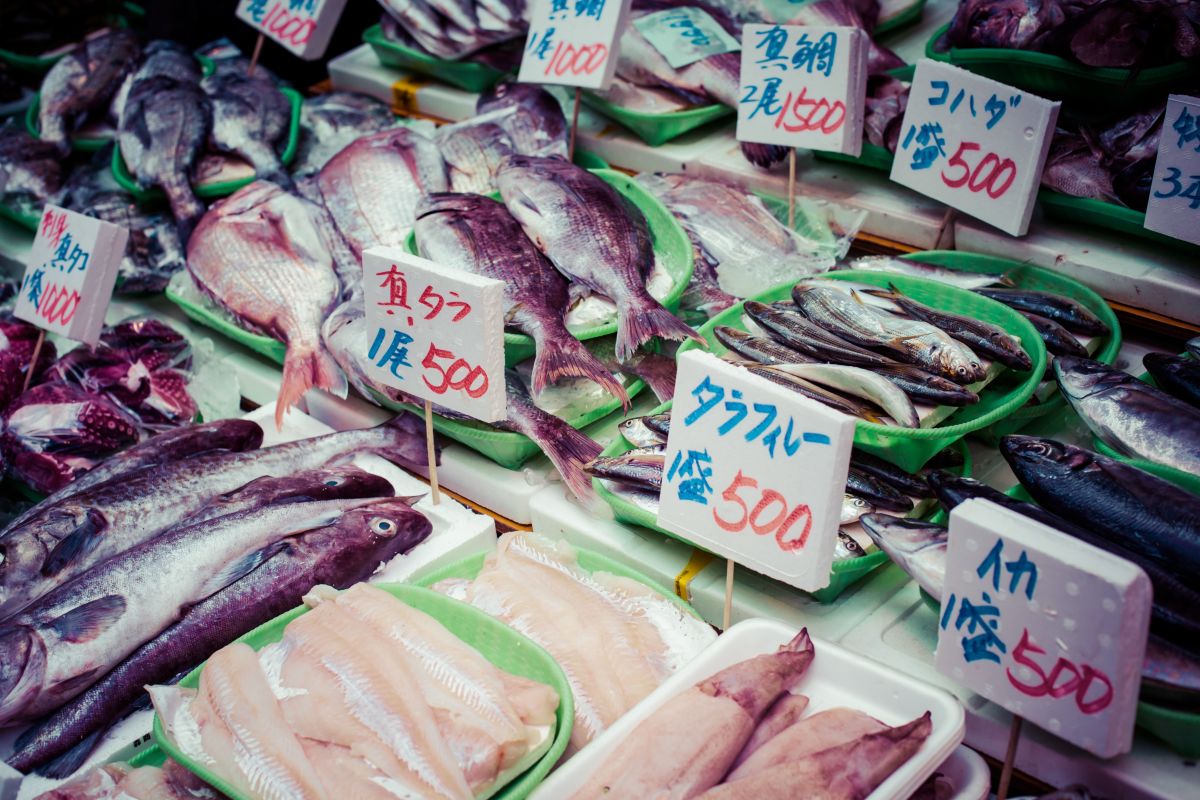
[754, 472]
[70, 275]
[1174, 207]
[435, 333]
[803, 86]
[302, 26]
[1047, 626]
[974, 144]
[685, 35]
[573, 42]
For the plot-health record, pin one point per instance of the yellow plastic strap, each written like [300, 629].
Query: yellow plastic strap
[695, 565]
[404, 94]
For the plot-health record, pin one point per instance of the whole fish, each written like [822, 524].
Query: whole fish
[853, 509]
[919, 343]
[635, 431]
[249, 118]
[1072, 315]
[1176, 375]
[63, 539]
[473, 154]
[568, 449]
[641, 468]
[847, 546]
[987, 340]
[1129, 415]
[733, 230]
[595, 238]
[83, 81]
[333, 120]
[859, 382]
[758, 348]
[917, 547]
[903, 482]
[1074, 168]
[163, 128]
[160, 57]
[450, 29]
[921, 269]
[284, 284]
[793, 329]
[67, 640]
[1059, 341]
[30, 169]
[876, 492]
[153, 252]
[1125, 505]
[534, 121]
[812, 391]
[477, 234]
[338, 555]
[373, 185]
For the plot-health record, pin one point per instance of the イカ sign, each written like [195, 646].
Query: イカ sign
[573, 42]
[975, 144]
[302, 26]
[1174, 207]
[70, 275]
[754, 472]
[435, 332]
[803, 86]
[1049, 627]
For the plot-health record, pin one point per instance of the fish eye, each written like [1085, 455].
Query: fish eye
[334, 482]
[380, 525]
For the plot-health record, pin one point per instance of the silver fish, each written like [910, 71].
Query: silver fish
[919, 548]
[853, 509]
[473, 154]
[249, 118]
[595, 238]
[331, 121]
[532, 118]
[920, 269]
[83, 81]
[372, 187]
[635, 431]
[859, 382]
[1130, 416]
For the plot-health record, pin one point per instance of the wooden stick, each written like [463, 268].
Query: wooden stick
[792, 188]
[728, 594]
[37, 351]
[947, 225]
[258, 43]
[574, 124]
[430, 454]
[1014, 737]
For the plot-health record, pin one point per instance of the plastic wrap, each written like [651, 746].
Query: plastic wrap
[17, 342]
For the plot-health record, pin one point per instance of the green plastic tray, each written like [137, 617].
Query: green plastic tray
[213, 189]
[910, 448]
[1055, 77]
[464, 74]
[656, 129]
[497, 642]
[671, 245]
[38, 65]
[1097, 213]
[907, 16]
[1027, 276]
[29, 221]
[470, 567]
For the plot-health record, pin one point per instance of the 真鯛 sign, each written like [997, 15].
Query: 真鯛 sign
[573, 42]
[302, 26]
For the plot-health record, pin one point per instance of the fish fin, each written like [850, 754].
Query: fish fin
[239, 568]
[559, 357]
[77, 544]
[69, 762]
[569, 450]
[84, 623]
[303, 371]
[638, 325]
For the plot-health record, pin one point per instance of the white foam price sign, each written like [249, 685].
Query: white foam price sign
[754, 472]
[435, 332]
[803, 86]
[685, 35]
[1174, 207]
[1049, 627]
[70, 275]
[302, 26]
[975, 144]
[573, 42]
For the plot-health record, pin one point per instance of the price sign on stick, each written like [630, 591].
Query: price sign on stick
[573, 42]
[754, 472]
[685, 35]
[435, 332]
[302, 26]
[975, 144]
[70, 275]
[803, 86]
[1174, 207]
[1047, 626]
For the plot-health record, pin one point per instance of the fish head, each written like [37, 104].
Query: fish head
[917, 547]
[391, 520]
[951, 361]
[331, 483]
[954, 489]
[1031, 456]
[447, 202]
[22, 669]
[1079, 378]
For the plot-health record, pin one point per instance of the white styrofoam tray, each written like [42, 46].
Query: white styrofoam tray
[836, 677]
[968, 774]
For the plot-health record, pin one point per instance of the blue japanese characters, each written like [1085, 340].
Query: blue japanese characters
[1174, 207]
[573, 42]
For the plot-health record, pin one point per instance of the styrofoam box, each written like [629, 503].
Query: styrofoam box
[836, 677]
[968, 774]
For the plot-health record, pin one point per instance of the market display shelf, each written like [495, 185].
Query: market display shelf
[1055, 77]
[497, 642]
[656, 129]
[28, 221]
[466, 75]
[1089, 211]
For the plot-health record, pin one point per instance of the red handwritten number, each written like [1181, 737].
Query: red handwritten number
[576, 60]
[474, 380]
[986, 176]
[58, 305]
[286, 27]
[823, 116]
[1079, 684]
[780, 524]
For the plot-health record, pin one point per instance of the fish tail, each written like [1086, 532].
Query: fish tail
[569, 450]
[564, 356]
[641, 324]
[764, 155]
[304, 370]
[186, 208]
